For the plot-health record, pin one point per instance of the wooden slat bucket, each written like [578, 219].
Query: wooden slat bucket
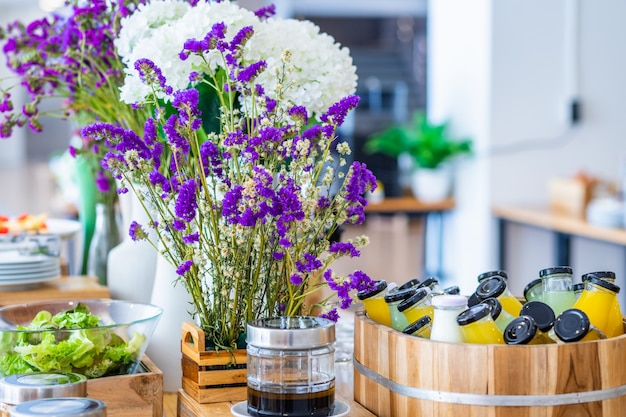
[396, 375]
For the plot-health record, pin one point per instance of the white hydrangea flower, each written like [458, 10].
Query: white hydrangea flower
[323, 73]
[164, 40]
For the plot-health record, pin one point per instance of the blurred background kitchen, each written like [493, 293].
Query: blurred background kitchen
[538, 86]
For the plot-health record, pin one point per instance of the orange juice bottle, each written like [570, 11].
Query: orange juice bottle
[478, 326]
[374, 303]
[417, 306]
[573, 325]
[599, 301]
[496, 287]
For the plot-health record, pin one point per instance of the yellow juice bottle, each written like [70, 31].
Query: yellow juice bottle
[599, 301]
[417, 306]
[523, 331]
[573, 325]
[420, 328]
[496, 287]
[478, 326]
[375, 304]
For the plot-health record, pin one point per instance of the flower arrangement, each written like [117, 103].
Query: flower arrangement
[257, 180]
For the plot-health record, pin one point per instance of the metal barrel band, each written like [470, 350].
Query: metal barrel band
[487, 399]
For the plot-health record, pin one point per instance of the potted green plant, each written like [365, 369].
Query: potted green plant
[430, 149]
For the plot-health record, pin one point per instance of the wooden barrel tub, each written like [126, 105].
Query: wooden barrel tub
[397, 375]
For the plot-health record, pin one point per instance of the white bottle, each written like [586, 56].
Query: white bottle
[446, 309]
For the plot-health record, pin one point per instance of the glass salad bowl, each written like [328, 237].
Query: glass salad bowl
[95, 338]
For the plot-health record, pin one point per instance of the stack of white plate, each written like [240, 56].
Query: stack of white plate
[26, 270]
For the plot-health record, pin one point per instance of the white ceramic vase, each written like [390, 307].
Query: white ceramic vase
[131, 265]
[431, 185]
[165, 346]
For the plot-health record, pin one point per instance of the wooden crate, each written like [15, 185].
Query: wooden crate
[135, 395]
[209, 376]
[400, 375]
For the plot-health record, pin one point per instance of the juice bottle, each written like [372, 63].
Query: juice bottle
[496, 287]
[523, 331]
[374, 303]
[393, 298]
[478, 326]
[534, 290]
[544, 318]
[557, 288]
[578, 289]
[599, 302]
[573, 325]
[420, 328]
[414, 282]
[417, 306]
[446, 309]
[499, 315]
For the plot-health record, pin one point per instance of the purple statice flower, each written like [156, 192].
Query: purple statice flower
[152, 75]
[361, 180]
[72, 151]
[296, 279]
[192, 238]
[341, 287]
[136, 232]
[186, 203]
[299, 112]
[6, 105]
[102, 182]
[360, 281]
[278, 256]
[310, 263]
[266, 12]
[331, 315]
[176, 135]
[323, 202]
[240, 39]
[211, 159]
[252, 71]
[184, 267]
[336, 114]
[344, 248]
[186, 102]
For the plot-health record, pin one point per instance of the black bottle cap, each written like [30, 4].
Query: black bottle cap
[398, 295]
[600, 274]
[592, 279]
[419, 295]
[541, 312]
[572, 325]
[473, 314]
[491, 287]
[489, 274]
[473, 300]
[494, 305]
[520, 331]
[555, 270]
[417, 324]
[410, 284]
[453, 290]
[428, 282]
[379, 287]
[530, 286]
[579, 286]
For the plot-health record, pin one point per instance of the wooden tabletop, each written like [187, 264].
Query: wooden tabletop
[174, 407]
[408, 205]
[62, 288]
[545, 219]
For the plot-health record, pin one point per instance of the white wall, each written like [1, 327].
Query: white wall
[499, 69]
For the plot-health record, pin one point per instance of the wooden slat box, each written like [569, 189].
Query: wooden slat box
[136, 395]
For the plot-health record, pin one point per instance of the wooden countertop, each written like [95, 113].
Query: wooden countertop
[545, 219]
[172, 408]
[62, 288]
[408, 205]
